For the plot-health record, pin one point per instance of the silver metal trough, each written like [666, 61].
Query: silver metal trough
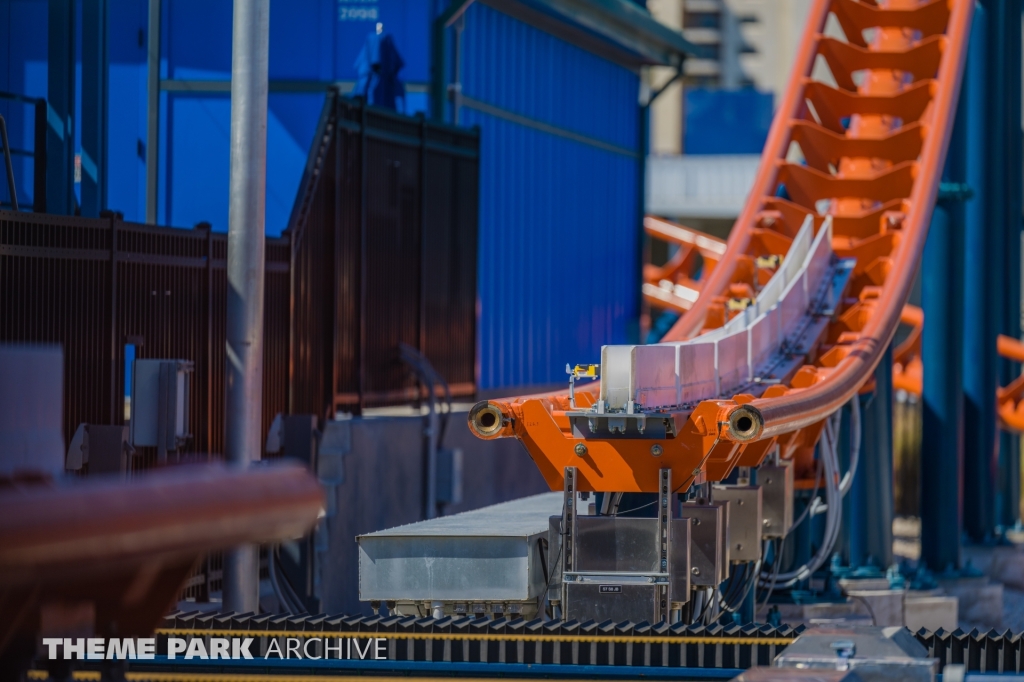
[489, 560]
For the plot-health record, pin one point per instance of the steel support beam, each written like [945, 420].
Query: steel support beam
[942, 344]
[60, 97]
[866, 534]
[875, 470]
[851, 543]
[95, 61]
[1008, 25]
[153, 112]
[246, 253]
[982, 289]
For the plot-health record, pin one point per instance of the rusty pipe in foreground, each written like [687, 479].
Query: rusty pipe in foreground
[91, 526]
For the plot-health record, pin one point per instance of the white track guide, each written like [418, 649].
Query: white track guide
[637, 378]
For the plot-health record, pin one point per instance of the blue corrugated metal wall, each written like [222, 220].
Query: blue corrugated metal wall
[558, 217]
[310, 41]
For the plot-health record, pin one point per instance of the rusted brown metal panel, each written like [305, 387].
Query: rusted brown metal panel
[387, 210]
[95, 285]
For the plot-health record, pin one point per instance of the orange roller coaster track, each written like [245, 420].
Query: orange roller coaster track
[859, 152]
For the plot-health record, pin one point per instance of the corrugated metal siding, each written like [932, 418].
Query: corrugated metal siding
[520, 68]
[558, 217]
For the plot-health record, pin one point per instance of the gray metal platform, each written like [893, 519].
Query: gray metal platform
[486, 560]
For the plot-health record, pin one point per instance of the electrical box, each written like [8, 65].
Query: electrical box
[776, 482]
[31, 396]
[104, 449]
[746, 520]
[706, 538]
[160, 404]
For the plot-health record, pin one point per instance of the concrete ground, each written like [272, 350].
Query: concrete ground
[907, 545]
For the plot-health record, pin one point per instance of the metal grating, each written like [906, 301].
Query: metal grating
[96, 285]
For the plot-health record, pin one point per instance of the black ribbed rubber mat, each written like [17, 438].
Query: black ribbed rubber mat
[979, 651]
[517, 640]
[507, 640]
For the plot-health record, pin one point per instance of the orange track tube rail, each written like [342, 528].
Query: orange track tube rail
[882, 207]
[873, 148]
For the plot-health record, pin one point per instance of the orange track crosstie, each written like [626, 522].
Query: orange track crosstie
[673, 285]
[873, 145]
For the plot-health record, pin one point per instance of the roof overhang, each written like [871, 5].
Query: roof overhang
[618, 30]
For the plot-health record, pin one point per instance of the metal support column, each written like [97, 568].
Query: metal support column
[60, 96]
[982, 289]
[941, 350]
[852, 541]
[1011, 168]
[153, 112]
[95, 20]
[439, 72]
[866, 533]
[246, 242]
[875, 470]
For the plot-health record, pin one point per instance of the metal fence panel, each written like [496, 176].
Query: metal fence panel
[371, 259]
[388, 203]
[95, 286]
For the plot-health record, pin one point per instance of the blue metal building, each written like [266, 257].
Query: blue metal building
[554, 86]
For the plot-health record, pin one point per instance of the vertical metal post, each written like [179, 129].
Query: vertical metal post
[438, 53]
[941, 351]
[209, 343]
[665, 542]
[1011, 148]
[731, 77]
[11, 189]
[568, 530]
[246, 243]
[438, 68]
[95, 15]
[116, 347]
[876, 466]
[364, 217]
[60, 95]
[460, 25]
[643, 135]
[422, 223]
[153, 112]
[336, 290]
[851, 534]
[981, 288]
[39, 157]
